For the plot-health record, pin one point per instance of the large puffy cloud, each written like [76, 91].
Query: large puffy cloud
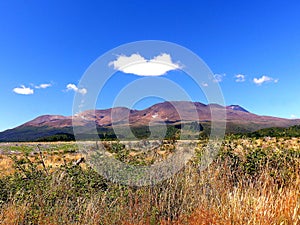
[23, 90]
[138, 65]
[263, 79]
[73, 87]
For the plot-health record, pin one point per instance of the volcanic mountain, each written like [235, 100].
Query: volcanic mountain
[236, 108]
[238, 120]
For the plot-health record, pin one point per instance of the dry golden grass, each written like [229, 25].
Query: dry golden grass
[190, 197]
[251, 206]
[259, 203]
[5, 165]
[51, 161]
[12, 214]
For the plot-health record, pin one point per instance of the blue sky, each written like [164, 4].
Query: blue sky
[46, 46]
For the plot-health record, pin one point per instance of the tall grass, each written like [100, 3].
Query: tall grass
[255, 186]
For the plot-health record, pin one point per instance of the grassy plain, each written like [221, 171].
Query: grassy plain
[251, 181]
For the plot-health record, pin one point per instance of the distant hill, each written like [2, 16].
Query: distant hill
[51, 127]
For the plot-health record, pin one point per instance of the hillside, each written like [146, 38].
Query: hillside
[174, 114]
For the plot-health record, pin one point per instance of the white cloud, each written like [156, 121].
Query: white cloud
[293, 116]
[23, 90]
[73, 87]
[263, 79]
[219, 77]
[138, 65]
[240, 78]
[43, 86]
[204, 84]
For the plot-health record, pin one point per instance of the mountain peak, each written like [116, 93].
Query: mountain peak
[236, 108]
[48, 120]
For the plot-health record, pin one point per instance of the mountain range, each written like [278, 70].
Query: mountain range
[238, 120]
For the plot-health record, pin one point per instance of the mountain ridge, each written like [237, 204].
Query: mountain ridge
[238, 119]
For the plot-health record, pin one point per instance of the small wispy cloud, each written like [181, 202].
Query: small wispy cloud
[204, 84]
[43, 86]
[240, 78]
[293, 116]
[73, 87]
[218, 77]
[23, 90]
[138, 65]
[264, 79]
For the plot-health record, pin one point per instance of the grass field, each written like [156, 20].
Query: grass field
[251, 181]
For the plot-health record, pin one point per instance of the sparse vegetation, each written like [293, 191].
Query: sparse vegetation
[251, 181]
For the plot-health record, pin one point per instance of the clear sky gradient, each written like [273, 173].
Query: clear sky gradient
[253, 47]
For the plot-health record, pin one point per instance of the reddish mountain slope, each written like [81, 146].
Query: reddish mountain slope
[169, 112]
[238, 119]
